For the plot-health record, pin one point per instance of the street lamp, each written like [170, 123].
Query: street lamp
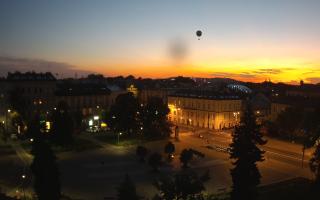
[23, 185]
[9, 111]
[119, 136]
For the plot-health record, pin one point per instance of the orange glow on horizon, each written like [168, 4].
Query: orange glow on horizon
[290, 71]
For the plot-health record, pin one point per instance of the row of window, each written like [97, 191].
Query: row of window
[35, 90]
[209, 105]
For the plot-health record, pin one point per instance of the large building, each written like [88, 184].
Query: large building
[213, 112]
[87, 97]
[36, 90]
[145, 94]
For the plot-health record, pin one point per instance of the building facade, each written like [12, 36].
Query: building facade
[35, 89]
[145, 94]
[213, 112]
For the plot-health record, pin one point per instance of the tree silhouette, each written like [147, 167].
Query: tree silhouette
[45, 171]
[34, 127]
[315, 164]
[141, 152]
[127, 190]
[154, 118]
[169, 149]
[155, 160]
[244, 150]
[185, 184]
[187, 155]
[123, 115]
[62, 125]
[19, 103]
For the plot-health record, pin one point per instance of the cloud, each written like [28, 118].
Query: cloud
[244, 75]
[268, 71]
[313, 79]
[62, 70]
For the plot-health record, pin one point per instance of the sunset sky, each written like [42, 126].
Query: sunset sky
[249, 40]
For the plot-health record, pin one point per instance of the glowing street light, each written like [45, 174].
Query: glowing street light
[119, 136]
[9, 110]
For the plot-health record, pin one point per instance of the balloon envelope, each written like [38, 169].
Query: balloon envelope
[199, 33]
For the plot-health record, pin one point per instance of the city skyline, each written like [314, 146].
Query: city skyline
[247, 40]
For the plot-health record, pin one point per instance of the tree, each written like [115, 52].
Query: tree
[289, 123]
[183, 185]
[315, 164]
[34, 127]
[185, 157]
[19, 103]
[169, 149]
[45, 171]
[244, 150]
[141, 152]
[77, 118]
[311, 130]
[62, 125]
[155, 160]
[123, 116]
[127, 190]
[154, 119]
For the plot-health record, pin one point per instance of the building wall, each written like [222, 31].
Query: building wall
[276, 109]
[89, 104]
[205, 113]
[39, 94]
[146, 94]
[85, 103]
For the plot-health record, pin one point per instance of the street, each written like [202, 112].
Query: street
[95, 174]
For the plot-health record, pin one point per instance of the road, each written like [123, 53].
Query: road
[15, 172]
[95, 174]
[275, 149]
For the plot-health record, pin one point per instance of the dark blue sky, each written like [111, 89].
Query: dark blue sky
[117, 36]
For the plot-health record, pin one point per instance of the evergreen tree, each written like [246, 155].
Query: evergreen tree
[45, 171]
[127, 190]
[245, 152]
[62, 125]
[315, 164]
[34, 127]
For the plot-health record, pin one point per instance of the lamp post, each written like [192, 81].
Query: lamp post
[23, 176]
[9, 111]
[119, 136]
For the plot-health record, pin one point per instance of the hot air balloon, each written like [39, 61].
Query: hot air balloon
[199, 33]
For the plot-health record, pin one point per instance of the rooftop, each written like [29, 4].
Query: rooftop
[30, 76]
[199, 94]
